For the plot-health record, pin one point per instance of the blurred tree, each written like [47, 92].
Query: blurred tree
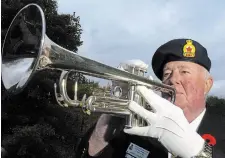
[215, 101]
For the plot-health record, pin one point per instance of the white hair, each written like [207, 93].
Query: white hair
[207, 75]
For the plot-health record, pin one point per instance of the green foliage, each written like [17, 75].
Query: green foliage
[87, 89]
[215, 101]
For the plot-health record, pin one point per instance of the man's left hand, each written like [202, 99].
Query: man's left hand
[167, 123]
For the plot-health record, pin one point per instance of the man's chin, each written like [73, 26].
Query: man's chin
[181, 102]
[183, 106]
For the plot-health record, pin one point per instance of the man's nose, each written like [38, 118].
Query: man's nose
[174, 78]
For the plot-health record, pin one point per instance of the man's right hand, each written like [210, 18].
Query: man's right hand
[106, 129]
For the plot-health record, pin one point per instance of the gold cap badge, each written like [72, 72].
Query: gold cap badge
[189, 49]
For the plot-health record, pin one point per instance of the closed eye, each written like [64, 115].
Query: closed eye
[185, 72]
[166, 74]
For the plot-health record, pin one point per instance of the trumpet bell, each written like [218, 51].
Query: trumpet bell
[22, 48]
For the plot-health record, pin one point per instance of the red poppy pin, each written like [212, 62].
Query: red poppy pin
[210, 139]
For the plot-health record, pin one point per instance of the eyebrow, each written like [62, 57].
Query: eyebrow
[182, 66]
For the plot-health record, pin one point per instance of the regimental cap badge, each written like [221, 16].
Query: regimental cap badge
[189, 49]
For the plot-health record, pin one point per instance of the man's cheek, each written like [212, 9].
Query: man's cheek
[194, 91]
[190, 86]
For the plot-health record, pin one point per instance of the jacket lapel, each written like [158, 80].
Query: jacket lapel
[213, 124]
[210, 123]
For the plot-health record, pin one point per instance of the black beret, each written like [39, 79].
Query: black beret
[179, 50]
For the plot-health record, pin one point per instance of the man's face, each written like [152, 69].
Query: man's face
[191, 84]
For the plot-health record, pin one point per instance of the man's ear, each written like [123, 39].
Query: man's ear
[208, 84]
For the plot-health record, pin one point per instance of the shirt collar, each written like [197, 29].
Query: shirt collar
[196, 122]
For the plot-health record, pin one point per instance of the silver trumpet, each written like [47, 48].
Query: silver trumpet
[27, 50]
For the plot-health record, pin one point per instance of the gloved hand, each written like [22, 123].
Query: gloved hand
[168, 124]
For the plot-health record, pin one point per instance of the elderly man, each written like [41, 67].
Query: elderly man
[188, 128]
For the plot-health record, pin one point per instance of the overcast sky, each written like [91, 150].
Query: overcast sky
[118, 30]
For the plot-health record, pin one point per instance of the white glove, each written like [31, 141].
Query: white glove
[168, 124]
